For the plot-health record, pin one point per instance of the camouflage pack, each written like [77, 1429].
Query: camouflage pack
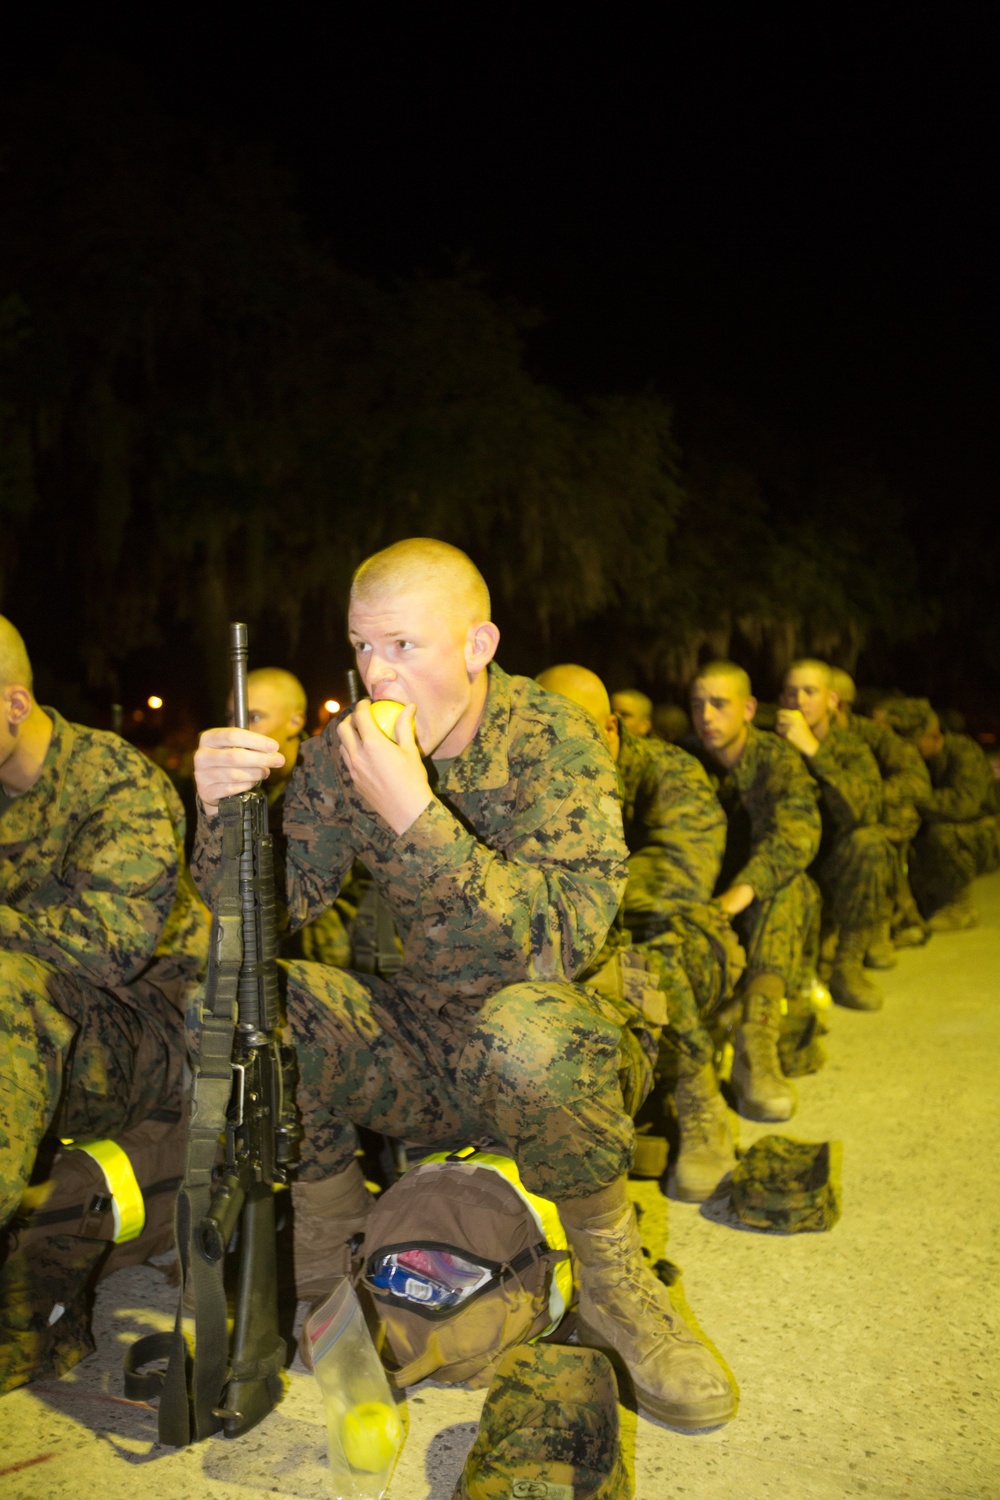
[470, 1210]
[549, 1430]
[788, 1185]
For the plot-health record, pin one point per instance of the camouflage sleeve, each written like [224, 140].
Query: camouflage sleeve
[206, 856]
[908, 779]
[849, 779]
[543, 906]
[312, 847]
[678, 835]
[100, 916]
[967, 789]
[787, 826]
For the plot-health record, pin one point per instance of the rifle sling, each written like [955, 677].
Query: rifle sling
[192, 1390]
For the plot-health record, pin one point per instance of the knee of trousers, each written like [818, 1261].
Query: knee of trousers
[548, 1045]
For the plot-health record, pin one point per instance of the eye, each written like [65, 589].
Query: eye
[360, 646]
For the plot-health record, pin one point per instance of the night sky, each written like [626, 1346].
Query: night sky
[786, 228]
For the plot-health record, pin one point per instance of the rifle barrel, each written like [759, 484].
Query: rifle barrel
[238, 656]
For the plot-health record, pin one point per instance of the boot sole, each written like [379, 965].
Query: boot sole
[674, 1189]
[686, 1417]
[762, 1114]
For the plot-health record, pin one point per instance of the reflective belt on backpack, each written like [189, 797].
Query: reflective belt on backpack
[545, 1215]
[128, 1210]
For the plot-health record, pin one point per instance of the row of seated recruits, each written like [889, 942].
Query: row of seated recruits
[522, 838]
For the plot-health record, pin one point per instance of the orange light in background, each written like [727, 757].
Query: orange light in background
[332, 706]
[154, 702]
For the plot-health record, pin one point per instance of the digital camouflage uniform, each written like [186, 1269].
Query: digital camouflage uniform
[100, 932]
[502, 890]
[905, 782]
[676, 835]
[854, 868]
[770, 802]
[960, 834]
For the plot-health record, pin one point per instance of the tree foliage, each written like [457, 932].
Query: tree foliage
[202, 415]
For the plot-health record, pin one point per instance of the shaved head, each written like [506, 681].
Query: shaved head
[812, 664]
[733, 674]
[843, 685]
[582, 687]
[15, 668]
[285, 687]
[428, 567]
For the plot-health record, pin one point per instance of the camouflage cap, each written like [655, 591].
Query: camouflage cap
[788, 1185]
[549, 1430]
[909, 717]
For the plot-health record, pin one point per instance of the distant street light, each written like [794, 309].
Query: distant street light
[332, 706]
[154, 702]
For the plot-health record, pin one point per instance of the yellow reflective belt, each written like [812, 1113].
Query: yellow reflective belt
[544, 1213]
[127, 1207]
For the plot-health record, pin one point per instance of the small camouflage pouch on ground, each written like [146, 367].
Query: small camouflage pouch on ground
[788, 1185]
[549, 1430]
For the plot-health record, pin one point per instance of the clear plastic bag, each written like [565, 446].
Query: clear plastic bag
[363, 1422]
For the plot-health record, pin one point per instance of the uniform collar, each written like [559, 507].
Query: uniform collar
[484, 764]
[48, 787]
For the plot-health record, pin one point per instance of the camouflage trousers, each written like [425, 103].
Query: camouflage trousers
[781, 935]
[857, 876]
[537, 1067]
[78, 1060]
[947, 857]
[698, 962]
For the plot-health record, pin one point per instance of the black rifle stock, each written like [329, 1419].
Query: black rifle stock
[242, 1087]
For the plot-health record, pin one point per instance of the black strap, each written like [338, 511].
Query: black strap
[140, 1384]
[192, 1388]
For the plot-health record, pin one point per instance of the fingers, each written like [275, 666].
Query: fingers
[229, 737]
[406, 728]
[230, 761]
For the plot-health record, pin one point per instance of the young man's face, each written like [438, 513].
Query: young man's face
[720, 713]
[414, 647]
[270, 713]
[807, 690]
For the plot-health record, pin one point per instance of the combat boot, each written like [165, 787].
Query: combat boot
[881, 952]
[327, 1215]
[958, 916]
[849, 984]
[707, 1153]
[762, 1090]
[626, 1311]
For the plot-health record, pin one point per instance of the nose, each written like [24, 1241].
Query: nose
[379, 671]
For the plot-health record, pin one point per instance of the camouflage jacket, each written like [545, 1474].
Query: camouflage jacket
[674, 827]
[962, 787]
[774, 824]
[92, 873]
[850, 786]
[514, 871]
[904, 774]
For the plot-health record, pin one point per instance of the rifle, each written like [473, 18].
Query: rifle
[243, 1085]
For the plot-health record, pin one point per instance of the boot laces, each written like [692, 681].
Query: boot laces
[651, 1307]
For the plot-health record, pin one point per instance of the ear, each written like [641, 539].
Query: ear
[18, 704]
[834, 699]
[481, 646]
[749, 709]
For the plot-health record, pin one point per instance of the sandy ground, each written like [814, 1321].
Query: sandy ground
[867, 1357]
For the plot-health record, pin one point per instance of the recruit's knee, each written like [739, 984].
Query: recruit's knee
[544, 1044]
